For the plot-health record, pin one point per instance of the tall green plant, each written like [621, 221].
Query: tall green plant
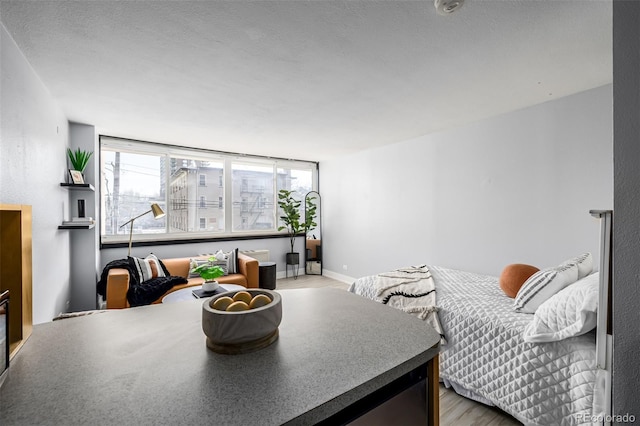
[79, 158]
[310, 214]
[291, 215]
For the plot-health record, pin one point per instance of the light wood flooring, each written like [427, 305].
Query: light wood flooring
[309, 281]
[408, 408]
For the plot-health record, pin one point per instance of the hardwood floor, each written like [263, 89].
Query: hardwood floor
[408, 408]
[309, 281]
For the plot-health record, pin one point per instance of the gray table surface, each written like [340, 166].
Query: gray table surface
[187, 293]
[150, 365]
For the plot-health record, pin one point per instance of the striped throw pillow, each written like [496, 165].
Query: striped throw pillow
[147, 268]
[585, 264]
[227, 260]
[544, 284]
[194, 263]
[232, 261]
[223, 264]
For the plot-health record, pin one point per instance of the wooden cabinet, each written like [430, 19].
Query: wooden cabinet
[15, 270]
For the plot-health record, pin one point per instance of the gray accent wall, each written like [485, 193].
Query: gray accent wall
[34, 134]
[85, 243]
[516, 188]
[626, 230]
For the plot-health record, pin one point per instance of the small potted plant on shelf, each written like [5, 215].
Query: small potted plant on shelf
[209, 272]
[79, 160]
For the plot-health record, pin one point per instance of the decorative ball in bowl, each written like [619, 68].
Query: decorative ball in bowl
[242, 321]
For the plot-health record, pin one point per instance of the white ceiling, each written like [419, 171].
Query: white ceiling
[306, 79]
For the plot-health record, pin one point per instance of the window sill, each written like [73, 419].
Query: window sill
[191, 240]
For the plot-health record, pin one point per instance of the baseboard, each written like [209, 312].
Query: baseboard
[280, 275]
[338, 277]
[325, 272]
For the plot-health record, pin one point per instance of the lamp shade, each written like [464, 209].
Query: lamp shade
[157, 214]
[157, 211]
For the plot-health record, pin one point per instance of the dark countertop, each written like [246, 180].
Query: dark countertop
[151, 365]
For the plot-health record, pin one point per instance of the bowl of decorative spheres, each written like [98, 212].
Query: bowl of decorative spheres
[241, 321]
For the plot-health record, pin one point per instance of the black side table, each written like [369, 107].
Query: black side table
[267, 275]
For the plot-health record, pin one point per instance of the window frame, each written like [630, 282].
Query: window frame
[111, 143]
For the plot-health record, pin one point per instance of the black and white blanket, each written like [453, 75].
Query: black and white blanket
[409, 289]
[139, 293]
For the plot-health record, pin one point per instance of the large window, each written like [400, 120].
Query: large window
[243, 202]
[251, 182]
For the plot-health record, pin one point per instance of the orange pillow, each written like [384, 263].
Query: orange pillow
[513, 276]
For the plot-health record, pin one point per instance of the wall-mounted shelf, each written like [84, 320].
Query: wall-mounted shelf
[79, 186]
[77, 226]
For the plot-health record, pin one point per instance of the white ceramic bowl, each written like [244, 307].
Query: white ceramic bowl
[244, 331]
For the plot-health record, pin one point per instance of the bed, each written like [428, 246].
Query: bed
[484, 356]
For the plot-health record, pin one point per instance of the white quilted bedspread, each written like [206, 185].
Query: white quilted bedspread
[538, 384]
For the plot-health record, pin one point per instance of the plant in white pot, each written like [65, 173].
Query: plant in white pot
[209, 272]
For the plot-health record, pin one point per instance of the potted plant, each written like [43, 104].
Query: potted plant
[209, 272]
[310, 214]
[79, 159]
[310, 209]
[291, 219]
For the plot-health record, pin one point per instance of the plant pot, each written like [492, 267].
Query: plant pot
[210, 285]
[293, 258]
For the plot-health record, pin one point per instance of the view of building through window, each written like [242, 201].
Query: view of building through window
[191, 194]
[252, 198]
[195, 193]
[131, 183]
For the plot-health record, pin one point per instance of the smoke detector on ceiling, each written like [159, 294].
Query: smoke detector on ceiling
[446, 7]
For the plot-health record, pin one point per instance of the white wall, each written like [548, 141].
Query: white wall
[33, 140]
[513, 188]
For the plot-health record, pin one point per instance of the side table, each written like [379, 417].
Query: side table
[267, 275]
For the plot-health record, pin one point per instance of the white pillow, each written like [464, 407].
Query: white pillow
[570, 312]
[228, 261]
[542, 285]
[585, 264]
[220, 255]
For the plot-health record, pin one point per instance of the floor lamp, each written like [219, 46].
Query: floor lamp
[157, 214]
